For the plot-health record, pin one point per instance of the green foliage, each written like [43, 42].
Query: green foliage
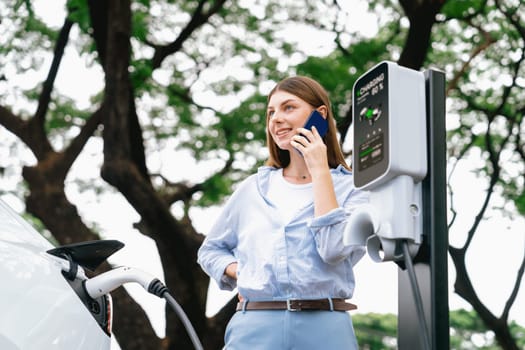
[466, 320]
[78, 12]
[63, 115]
[460, 9]
[375, 331]
[35, 25]
[214, 190]
[141, 71]
[140, 18]
[467, 331]
[24, 37]
[519, 201]
[518, 332]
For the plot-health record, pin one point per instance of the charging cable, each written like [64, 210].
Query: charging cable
[417, 296]
[110, 280]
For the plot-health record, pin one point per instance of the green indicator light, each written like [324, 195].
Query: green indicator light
[366, 152]
[369, 113]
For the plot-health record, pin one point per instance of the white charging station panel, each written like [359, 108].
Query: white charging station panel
[389, 160]
[389, 125]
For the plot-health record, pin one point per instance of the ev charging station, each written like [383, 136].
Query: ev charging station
[399, 157]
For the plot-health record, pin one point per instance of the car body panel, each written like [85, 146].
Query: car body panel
[38, 308]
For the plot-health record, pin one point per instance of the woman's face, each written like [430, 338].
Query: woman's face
[286, 113]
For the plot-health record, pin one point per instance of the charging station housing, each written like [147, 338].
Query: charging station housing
[389, 125]
[389, 160]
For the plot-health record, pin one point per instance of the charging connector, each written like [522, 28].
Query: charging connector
[111, 280]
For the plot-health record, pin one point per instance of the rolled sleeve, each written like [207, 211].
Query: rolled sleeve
[334, 216]
[214, 261]
[328, 235]
[225, 282]
[328, 232]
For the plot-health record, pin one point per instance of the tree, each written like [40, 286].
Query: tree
[157, 77]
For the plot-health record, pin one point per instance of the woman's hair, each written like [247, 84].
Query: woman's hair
[313, 93]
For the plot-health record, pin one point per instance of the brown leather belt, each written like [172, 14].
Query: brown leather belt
[298, 305]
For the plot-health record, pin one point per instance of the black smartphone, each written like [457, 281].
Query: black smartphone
[316, 119]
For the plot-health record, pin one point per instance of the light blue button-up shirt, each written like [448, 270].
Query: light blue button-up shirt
[304, 258]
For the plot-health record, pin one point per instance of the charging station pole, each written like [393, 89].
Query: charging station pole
[430, 263]
[399, 156]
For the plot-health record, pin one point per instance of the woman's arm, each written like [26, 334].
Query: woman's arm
[328, 231]
[315, 156]
[216, 252]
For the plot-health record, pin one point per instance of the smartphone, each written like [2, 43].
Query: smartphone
[316, 119]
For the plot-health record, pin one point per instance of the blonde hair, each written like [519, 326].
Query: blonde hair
[313, 93]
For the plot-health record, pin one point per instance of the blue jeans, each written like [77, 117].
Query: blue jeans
[288, 330]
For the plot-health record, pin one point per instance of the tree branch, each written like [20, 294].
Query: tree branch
[45, 95]
[487, 41]
[70, 154]
[199, 18]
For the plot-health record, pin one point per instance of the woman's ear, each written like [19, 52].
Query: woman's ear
[323, 110]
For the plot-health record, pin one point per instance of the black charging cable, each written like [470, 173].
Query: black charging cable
[425, 338]
[157, 288]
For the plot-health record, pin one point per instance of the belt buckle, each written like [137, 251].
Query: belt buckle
[293, 308]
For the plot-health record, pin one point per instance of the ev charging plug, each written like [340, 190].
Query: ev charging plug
[111, 280]
[70, 259]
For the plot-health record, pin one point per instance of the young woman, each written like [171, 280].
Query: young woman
[279, 238]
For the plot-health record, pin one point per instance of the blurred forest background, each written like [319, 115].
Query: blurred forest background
[181, 85]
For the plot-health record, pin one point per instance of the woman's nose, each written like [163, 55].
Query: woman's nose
[277, 117]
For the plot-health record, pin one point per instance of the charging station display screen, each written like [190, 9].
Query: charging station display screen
[370, 115]
[371, 152]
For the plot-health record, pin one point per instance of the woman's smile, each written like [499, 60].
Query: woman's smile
[282, 132]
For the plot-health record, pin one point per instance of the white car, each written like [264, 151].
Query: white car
[43, 304]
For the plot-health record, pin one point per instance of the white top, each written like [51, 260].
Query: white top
[289, 198]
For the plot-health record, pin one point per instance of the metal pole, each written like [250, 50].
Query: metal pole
[430, 264]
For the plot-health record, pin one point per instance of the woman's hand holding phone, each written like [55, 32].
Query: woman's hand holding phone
[309, 142]
[311, 146]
